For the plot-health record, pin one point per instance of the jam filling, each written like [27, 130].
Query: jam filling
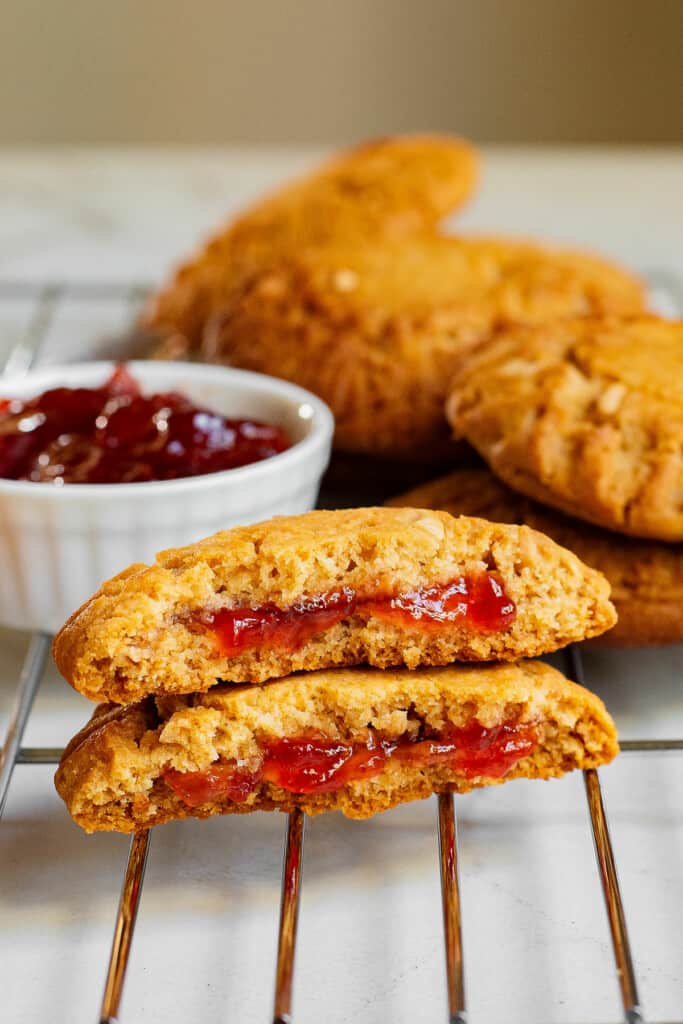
[115, 434]
[478, 599]
[312, 764]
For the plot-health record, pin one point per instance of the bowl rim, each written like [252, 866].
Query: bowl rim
[318, 436]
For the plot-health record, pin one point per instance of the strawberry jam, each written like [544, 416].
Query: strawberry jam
[195, 788]
[478, 600]
[115, 434]
[320, 766]
[312, 764]
[241, 629]
[473, 750]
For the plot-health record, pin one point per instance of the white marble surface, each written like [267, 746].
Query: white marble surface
[103, 214]
[536, 939]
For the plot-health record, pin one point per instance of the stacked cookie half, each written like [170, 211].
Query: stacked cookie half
[345, 660]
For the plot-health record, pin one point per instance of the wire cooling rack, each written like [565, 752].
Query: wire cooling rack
[36, 315]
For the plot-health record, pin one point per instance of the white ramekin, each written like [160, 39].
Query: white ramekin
[57, 544]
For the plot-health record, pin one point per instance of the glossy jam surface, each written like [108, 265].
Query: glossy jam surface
[115, 434]
[320, 766]
[195, 788]
[241, 629]
[474, 750]
[478, 600]
[310, 764]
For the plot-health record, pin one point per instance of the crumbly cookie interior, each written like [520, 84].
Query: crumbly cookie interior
[137, 635]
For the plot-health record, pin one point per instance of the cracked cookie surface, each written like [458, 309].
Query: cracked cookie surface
[344, 283]
[388, 187]
[585, 415]
[376, 329]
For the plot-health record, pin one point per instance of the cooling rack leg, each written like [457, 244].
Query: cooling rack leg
[289, 913]
[615, 909]
[29, 681]
[608, 872]
[450, 898]
[125, 925]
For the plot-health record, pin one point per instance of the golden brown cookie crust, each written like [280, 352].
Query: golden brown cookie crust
[646, 576]
[584, 415]
[111, 775]
[132, 637]
[376, 329]
[391, 187]
[343, 283]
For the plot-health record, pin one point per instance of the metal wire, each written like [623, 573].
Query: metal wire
[289, 915]
[450, 900]
[125, 926]
[613, 902]
[29, 681]
[23, 354]
[608, 875]
[649, 746]
[19, 360]
[39, 755]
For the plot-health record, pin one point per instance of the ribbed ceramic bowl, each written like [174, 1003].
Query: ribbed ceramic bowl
[57, 544]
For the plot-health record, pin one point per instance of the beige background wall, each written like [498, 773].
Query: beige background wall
[330, 70]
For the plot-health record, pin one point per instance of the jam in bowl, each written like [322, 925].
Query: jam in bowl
[114, 433]
[120, 503]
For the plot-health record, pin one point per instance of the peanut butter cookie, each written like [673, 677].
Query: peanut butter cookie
[376, 329]
[585, 415]
[344, 283]
[383, 586]
[391, 187]
[355, 740]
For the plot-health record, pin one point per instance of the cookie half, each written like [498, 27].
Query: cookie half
[379, 586]
[388, 187]
[585, 415]
[646, 576]
[355, 740]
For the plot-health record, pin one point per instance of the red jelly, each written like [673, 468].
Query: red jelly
[473, 750]
[311, 764]
[195, 788]
[477, 599]
[241, 629]
[320, 766]
[115, 434]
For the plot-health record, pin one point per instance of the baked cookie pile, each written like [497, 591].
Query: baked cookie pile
[345, 283]
[346, 660]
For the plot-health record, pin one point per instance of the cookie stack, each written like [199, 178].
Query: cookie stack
[317, 662]
[582, 424]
